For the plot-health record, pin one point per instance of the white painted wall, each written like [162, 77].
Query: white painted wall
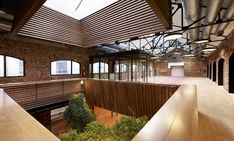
[177, 71]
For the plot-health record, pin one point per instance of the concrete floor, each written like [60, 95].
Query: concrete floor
[215, 107]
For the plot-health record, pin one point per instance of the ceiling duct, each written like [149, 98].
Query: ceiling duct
[212, 11]
[192, 9]
[228, 15]
[6, 21]
[5, 26]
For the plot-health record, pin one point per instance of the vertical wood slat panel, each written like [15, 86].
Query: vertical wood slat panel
[129, 98]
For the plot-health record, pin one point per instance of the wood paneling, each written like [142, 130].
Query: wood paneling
[128, 98]
[32, 95]
[51, 25]
[121, 20]
[18, 125]
[177, 120]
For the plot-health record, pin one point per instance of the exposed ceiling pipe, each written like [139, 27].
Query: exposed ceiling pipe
[6, 17]
[212, 11]
[6, 21]
[192, 9]
[5, 27]
[228, 15]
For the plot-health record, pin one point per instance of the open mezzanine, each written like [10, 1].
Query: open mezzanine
[169, 60]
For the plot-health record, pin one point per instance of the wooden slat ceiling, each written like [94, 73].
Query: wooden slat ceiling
[119, 21]
[51, 25]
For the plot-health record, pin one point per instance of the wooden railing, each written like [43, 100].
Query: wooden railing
[18, 125]
[177, 120]
[32, 95]
[128, 98]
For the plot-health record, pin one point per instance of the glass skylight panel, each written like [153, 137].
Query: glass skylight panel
[86, 7]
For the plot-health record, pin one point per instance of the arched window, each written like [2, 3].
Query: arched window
[103, 67]
[61, 67]
[10, 66]
[135, 68]
[123, 68]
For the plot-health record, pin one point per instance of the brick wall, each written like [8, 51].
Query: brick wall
[225, 50]
[192, 68]
[37, 57]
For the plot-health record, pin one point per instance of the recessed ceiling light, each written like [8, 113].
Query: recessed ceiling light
[208, 49]
[172, 36]
[200, 41]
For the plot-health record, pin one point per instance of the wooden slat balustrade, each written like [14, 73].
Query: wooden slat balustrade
[32, 95]
[177, 120]
[128, 98]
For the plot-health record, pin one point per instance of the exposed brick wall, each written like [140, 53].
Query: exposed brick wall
[38, 56]
[192, 68]
[225, 50]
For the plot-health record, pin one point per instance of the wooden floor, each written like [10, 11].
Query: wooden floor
[102, 115]
[215, 106]
[106, 116]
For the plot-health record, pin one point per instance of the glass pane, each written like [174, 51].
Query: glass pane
[96, 68]
[135, 68]
[103, 67]
[61, 67]
[1, 66]
[75, 68]
[123, 68]
[69, 7]
[14, 67]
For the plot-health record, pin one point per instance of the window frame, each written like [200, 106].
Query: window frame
[70, 68]
[99, 69]
[121, 70]
[4, 67]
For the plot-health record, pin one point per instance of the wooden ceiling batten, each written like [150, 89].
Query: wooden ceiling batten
[26, 9]
[112, 23]
[51, 25]
[118, 21]
[163, 11]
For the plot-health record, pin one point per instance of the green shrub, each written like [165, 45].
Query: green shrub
[127, 127]
[69, 136]
[124, 130]
[78, 114]
[96, 131]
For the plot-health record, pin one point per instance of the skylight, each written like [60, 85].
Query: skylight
[86, 7]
